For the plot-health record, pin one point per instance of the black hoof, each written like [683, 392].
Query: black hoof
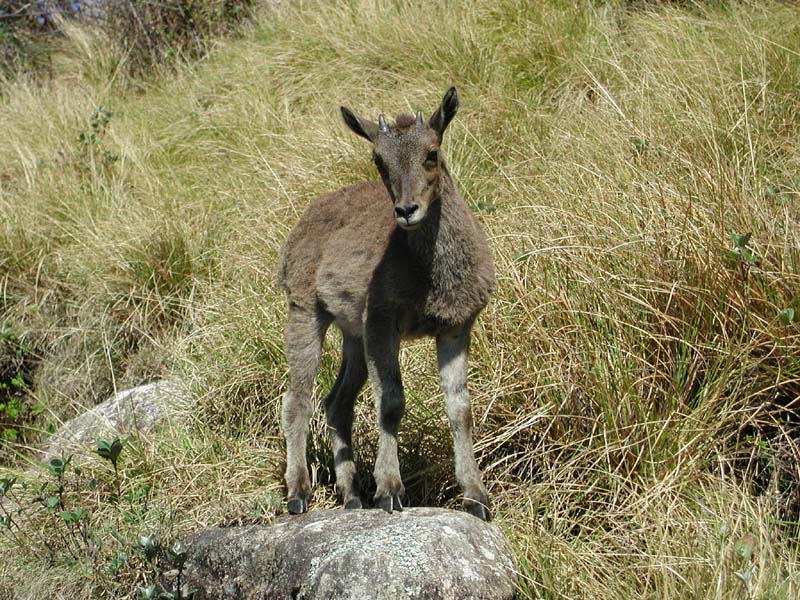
[297, 506]
[353, 503]
[477, 509]
[389, 503]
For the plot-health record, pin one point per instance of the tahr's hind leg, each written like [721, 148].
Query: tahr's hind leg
[303, 337]
[339, 414]
[452, 349]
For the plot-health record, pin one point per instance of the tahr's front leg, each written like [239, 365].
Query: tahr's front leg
[339, 413]
[452, 349]
[382, 346]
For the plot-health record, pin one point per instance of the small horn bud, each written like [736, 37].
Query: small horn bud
[418, 120]
[382, 124]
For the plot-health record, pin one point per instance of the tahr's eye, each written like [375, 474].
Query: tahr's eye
[378, 161]
[432, 158]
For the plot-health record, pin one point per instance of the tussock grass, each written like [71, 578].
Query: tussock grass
[635, 391]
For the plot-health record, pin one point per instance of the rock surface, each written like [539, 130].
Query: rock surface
[137, 409]
[416, 554]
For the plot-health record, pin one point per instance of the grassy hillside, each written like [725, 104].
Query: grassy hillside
[636, 378]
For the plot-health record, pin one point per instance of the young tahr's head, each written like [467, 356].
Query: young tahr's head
[407, 155]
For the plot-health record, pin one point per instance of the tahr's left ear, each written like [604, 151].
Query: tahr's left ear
[445, 113]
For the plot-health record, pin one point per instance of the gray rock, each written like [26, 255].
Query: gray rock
[420, 553]
[136, 410]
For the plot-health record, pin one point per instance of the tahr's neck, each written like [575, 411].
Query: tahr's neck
[443, 242]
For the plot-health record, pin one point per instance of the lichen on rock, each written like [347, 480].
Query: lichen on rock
[419, 553]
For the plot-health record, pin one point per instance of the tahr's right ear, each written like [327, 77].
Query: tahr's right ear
[366, 129]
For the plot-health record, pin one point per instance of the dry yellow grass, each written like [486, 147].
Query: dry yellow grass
[635, 391]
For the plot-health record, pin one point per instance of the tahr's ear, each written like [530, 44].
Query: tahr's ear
[445, 113]
[366, 129]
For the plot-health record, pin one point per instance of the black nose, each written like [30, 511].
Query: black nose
[405, 212]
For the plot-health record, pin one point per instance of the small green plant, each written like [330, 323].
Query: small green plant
[150, 548]
[97, 125]
[6, 518]
[119, 561]
[57, 467]
[110, 451]
[743, 549]
[149, 592]
[91, 140]
[741, 258]
[740, 255]
[641, 147]
[178, 556]
[66, 502]
[60, 507]
[17, 410]
[11, 508]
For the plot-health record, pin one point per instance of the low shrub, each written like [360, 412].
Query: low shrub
[27, 30]
[152, 32]
[144, 33]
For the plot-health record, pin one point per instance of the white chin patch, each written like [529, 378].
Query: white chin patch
[409, 226]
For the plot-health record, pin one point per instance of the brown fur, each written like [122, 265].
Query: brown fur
[347, 248]
[349, 262]
[404, 121]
